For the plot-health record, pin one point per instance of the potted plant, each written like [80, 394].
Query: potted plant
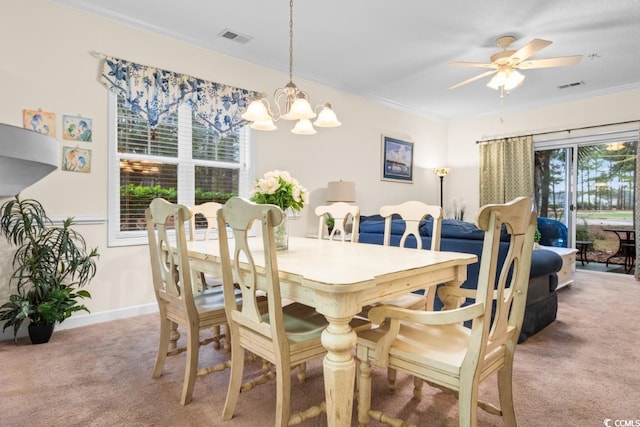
[51, 264]
[330, 221]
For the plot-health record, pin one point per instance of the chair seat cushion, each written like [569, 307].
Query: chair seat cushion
[303, 323]
[444, 345]
[212, 299]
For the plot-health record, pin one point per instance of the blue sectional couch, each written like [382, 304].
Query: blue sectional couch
[459, 236]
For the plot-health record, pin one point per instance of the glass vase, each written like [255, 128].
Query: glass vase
[281, 235]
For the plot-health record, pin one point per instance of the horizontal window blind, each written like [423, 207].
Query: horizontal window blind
[180, 160]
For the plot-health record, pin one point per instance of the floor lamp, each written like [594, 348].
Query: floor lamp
[441, 172]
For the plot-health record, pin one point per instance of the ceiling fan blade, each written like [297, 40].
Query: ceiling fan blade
[530, 49]
[560, 61]
[479, 76]
[473, 64]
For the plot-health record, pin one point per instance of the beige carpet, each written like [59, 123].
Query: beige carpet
[580, 370]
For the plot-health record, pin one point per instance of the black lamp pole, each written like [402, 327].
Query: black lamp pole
[441, 180]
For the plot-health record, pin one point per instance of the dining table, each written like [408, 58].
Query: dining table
[338, 279]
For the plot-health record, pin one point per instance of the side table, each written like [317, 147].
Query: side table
[582, 246]
[568, 255]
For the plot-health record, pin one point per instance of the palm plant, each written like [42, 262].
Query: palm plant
[51, 265]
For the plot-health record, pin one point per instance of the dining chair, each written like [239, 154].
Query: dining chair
[436, 347]
[341, 212]
[285, 336]
[178, 303]
[413, 213]
[203, 216]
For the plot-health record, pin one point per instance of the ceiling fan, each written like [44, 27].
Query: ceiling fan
[504, 64]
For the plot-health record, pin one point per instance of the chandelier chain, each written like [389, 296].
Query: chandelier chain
[290, 40]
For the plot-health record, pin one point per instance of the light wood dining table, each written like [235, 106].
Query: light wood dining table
[338, 279]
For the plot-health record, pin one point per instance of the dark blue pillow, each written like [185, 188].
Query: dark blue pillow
[372, 226]
[426, 226]
[456, 229]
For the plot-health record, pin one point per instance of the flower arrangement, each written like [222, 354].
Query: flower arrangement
[281, 189]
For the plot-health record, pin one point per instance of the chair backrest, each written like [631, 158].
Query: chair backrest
[412, 212]
[509, 292]
[239, 214]
[341, 212]
[170, 267]
[208, 210]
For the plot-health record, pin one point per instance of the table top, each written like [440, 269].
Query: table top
[620, 229]
[345, 267]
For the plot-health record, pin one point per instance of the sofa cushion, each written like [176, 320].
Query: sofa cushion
[545, 262]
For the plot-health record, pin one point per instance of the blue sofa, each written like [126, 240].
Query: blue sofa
[459, 236]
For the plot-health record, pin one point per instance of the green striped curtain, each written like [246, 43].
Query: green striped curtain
[506, 169]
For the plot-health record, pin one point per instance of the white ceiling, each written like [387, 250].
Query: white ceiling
[399, 51]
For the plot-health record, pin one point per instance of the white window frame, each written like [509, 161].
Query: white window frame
[186, 190]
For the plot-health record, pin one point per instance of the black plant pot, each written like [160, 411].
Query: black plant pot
[40, 334]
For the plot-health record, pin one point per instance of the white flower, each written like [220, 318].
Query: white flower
[280, 188]
[267, 185]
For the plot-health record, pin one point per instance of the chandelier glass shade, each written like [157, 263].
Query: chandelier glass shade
[289, 103]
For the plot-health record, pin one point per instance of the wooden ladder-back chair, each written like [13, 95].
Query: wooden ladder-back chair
[436, 346]
[341, 212]
[179, 304]
[287, 335]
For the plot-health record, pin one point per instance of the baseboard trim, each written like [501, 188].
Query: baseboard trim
[89, 319]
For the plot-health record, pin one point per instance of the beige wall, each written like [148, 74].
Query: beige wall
[462, 136]
[47, 63]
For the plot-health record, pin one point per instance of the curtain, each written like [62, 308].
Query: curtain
[506, 169]
[155, 94]
[636, 212]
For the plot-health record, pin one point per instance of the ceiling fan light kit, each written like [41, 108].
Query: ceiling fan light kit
[290, 103]
[503, 65]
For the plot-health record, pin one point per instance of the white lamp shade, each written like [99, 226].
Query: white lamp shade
[304, 127]
[327, 118]
[510, 79]
[514, 80]
[300, 109]
[263, 125]
[256, 112]
[441, 171]
[498, 80]
[341, 191]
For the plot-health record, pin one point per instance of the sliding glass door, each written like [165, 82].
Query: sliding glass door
[589, 185]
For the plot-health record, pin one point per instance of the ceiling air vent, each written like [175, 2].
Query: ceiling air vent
[235, 36]
[568, 85]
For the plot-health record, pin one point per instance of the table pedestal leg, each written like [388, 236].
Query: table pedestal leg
[339, 371]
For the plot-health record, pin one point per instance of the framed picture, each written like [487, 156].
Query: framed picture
[40, 121]
[397, 159]
[76, 159]
[76, 128]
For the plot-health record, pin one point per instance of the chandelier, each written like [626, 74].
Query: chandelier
[290, 103]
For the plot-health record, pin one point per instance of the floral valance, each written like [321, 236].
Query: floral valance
[155, 94]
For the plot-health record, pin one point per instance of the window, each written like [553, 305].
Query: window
[180, 160]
